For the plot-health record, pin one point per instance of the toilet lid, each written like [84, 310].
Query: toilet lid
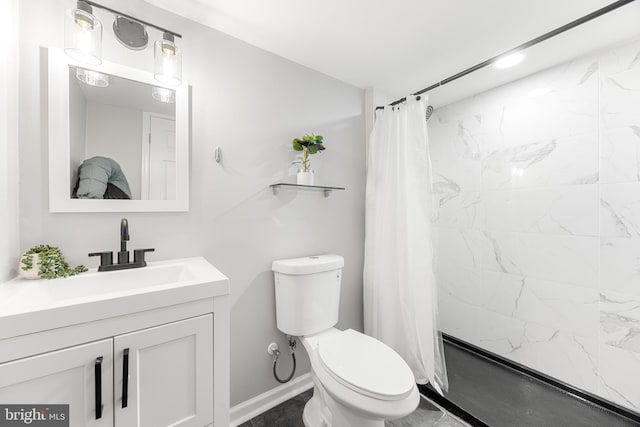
[367, 365]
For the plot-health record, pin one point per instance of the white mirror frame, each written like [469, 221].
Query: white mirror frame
[59, 147]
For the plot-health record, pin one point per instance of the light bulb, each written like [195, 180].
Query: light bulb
[83, 35]
[168, 61]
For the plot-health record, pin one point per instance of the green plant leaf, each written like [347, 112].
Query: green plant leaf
[319, 138]
[313, 149]
[52, 263]
[297, 146]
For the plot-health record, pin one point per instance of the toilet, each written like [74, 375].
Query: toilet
[358, 380]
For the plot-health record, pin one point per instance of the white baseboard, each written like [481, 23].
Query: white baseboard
[246, 410]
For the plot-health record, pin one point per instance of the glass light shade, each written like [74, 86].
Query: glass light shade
[83, 36]
[92, 78]
[168, 62]
[163, 94]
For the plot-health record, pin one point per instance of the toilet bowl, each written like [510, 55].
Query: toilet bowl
[358, 380]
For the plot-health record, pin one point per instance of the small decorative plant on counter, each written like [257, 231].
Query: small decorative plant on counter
[46, 262]
[308, 144]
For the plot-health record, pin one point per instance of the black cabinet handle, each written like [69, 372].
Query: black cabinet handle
[125, 378]
[98, 382]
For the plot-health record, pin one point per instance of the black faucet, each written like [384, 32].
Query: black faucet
[123, 255]
[106, 258]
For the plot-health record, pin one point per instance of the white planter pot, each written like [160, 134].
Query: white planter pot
[304, 178]
[31, 273]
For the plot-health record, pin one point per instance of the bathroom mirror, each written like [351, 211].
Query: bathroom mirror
[118, 140]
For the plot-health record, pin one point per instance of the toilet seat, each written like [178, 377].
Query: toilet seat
[366, 365]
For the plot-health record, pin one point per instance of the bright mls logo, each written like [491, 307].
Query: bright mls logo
[34, 415]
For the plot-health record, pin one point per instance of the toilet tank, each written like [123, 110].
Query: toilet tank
[307, 293]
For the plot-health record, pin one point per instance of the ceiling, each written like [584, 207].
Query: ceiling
[397, 47]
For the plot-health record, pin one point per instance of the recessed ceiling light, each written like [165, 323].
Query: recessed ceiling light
[509, 60]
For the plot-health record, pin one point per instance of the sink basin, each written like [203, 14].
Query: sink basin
[94, 295]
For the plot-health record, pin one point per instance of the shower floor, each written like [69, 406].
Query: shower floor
[498, 396]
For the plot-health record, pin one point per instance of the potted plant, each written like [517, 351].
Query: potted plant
[46, 262]
[308, 144]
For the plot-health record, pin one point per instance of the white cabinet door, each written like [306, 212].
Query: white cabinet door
[170, 375]
[64, 377]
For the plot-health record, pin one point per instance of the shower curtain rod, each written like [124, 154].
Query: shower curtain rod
[609, 8]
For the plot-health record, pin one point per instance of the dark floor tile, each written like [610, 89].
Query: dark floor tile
[502, 397]
[304, 397]
[287, 414]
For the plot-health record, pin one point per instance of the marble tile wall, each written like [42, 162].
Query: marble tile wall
[538, 223]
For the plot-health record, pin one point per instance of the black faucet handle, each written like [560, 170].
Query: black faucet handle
[106, 258]
[138, 255]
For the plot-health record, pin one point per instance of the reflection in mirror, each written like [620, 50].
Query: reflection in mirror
[118, 140]
[122, 138]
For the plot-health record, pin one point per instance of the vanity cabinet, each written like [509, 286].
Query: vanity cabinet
[155, 338]
[173, 365]
[63, 377]
[153, 377]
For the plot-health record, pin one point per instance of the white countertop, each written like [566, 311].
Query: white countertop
[28, 306]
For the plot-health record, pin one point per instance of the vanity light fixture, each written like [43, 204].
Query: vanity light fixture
[509, 60]
[131, 34]
[83, 34]
[83, 40]
[168, 61]
[92, 78]
[163, 94]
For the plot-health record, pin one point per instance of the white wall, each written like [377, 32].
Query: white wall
[116, 132]
[539, 221]
[9, 247]
[250, 103]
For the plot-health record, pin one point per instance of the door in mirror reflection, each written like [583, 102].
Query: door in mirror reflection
[159, 158]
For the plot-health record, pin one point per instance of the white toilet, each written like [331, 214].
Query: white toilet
[358, 380]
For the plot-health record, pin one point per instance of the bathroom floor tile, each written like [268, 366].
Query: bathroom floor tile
[289, 414]
[427, 415]
[286, 414]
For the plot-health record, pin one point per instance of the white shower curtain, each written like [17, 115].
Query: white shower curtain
[400, 302]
